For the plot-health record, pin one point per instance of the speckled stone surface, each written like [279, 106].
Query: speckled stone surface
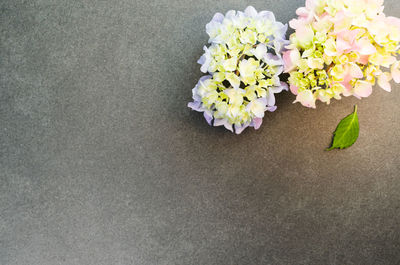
[101, 162]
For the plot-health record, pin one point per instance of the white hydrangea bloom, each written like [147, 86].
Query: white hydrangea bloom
[243, 63]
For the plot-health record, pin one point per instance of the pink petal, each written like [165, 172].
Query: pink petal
[364, 59]
[353, 35]
[296, 23]
[310, 4]
[384, 81]
[356, 71]
[349, 35]
[393, 21]
[347, 77]
[302, 12]
[346, 40]
[287, 61]
[362, 89]
[305, 33]
[294, 89]
[396, 72]
[290, 59]
[396, 76]
[348, 87]
[366, 47]
[342, 45]
[338, 20]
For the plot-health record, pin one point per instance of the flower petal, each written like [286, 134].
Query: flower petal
[258, 107]
[306, 98]
[384, 81]
[284, 86]
[396, 72]
[257, 123]
[291, 59]
[271, 98]
[251, 11]
[342, 45]
[196, 106]
[218, 17]
[297, 23]
[240, 129]
[315, 63]
[362, 89]
[355, 71]
[267, 15]
[208, 117]
[224, 122]
[304, 35]
[366, 47]
[273, 60]
[364, 59]
[294, 89]
[205, 60]
[260, 51]
[330, 48]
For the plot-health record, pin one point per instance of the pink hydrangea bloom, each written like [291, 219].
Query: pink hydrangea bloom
[341, 48]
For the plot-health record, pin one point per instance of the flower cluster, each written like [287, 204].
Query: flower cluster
[243, 64]
[341, 47]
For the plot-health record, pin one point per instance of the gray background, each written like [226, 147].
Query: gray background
[103, 163]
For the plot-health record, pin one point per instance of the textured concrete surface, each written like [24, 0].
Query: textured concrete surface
[102, 162]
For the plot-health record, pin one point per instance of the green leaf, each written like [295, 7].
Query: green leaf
[346, 133]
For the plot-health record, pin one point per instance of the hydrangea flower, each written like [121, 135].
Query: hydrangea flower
[341, 47]
[243, 64]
